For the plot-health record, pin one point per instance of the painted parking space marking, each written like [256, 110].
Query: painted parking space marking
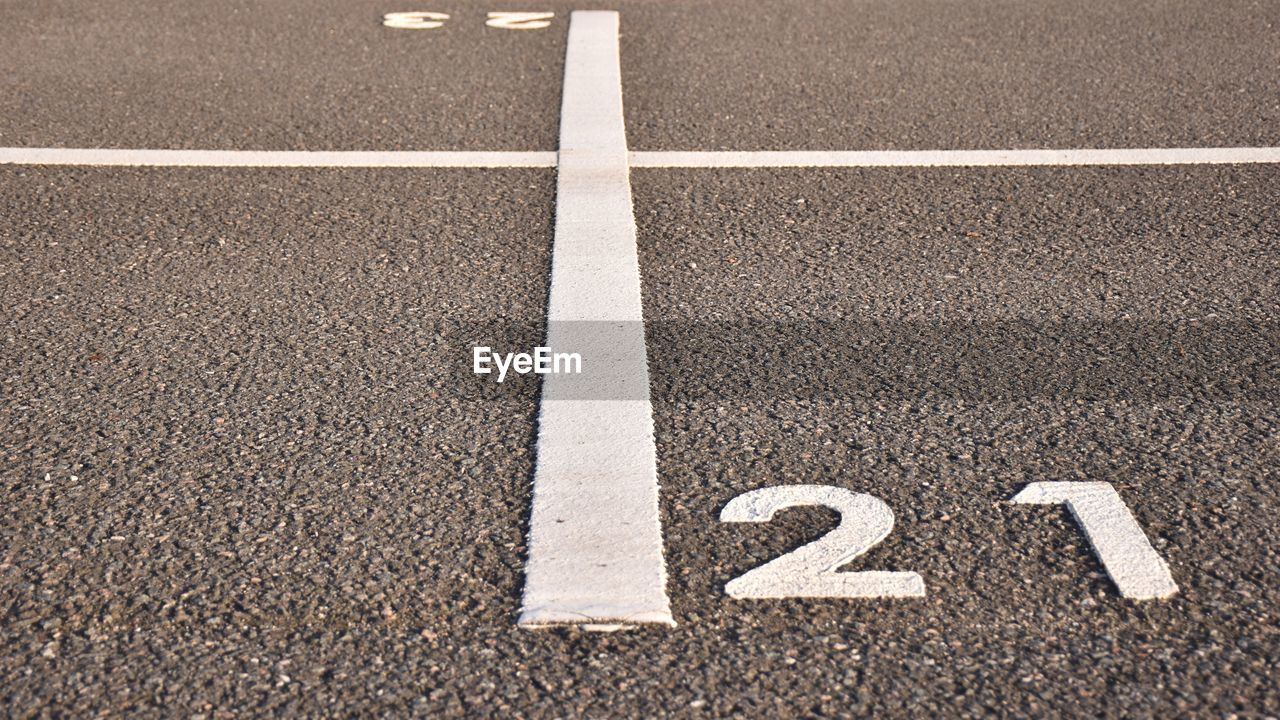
[519, 20]
[1136, 568]
[638, 159]
[595, 537]
[424, 20]
[813, 570]
[414, 20]
[957, 158]
[595, 543]
[275, 158]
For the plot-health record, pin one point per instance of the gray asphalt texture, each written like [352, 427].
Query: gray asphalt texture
[247, 472]
[698, 75]
[902, 333]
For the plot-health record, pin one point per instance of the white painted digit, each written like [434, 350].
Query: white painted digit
[1117, 539]
[519, 20]
[414, 20]
[810, 571]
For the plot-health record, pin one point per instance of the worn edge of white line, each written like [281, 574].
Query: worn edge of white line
[954, 158]
[275, 158]
[1114, 533]
[595, 534]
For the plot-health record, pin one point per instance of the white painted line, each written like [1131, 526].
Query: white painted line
[595, 536]
[643, 159]
[1136, 568]
[956, 158]
[273, 158]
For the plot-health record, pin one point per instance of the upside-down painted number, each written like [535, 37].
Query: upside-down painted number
[422, 20]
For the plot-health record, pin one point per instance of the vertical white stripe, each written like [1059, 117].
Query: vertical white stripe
[595, 537]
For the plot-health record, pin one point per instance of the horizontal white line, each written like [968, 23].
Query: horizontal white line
[955, 158]
[274, 158]
[640, 159]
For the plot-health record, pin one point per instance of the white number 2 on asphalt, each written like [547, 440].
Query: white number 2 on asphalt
[810, 571]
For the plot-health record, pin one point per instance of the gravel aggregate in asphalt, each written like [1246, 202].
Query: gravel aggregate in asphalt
[353, 544]
[697, 75]
[247, 471]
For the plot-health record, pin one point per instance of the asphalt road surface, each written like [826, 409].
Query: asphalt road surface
[247, 469]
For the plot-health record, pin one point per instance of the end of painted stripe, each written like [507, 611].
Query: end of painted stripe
[546, 618]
